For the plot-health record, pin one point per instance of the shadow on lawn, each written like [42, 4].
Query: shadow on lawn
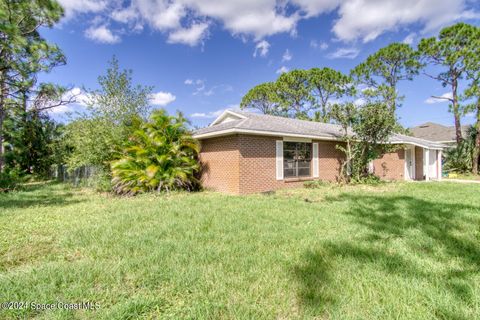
[443, 232]
[41, 194]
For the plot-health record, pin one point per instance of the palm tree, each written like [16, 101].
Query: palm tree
[460, 158]
[162, 156]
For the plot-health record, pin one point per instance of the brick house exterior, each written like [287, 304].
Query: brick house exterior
[237, 160]
[241, 164]
[391, 166]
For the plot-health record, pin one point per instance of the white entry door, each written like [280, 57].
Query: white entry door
[409, 164]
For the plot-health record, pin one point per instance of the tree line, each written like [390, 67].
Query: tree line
[452, 58]
[133, 148]
[28, 138]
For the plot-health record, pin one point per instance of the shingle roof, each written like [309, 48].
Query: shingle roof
[436, 132]
[281, 126]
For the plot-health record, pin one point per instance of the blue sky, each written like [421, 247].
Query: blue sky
[202, 56]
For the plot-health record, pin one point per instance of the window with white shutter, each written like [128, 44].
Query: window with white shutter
[297, 159]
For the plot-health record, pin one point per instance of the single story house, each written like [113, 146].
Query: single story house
[438, 133]
[244, 152]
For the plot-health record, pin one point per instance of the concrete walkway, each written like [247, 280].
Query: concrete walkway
[462, 181]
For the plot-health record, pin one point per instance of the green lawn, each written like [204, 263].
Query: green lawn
[394, 251]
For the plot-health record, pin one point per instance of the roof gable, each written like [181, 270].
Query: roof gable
[227, 116]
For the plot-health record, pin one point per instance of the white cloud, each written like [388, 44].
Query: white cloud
[190, 36]
[344, 53]
[366, 19]
[75, 7]
[409, 38]
[169, 17]
[357, 19]
[214, 114]
[359, 102]
[162, 98]
[443, 98]
[80, 98]
[258, 18]
[282, 69]
[101, 34]
[208, 115]
[287, 56]
[200, 86]
[312, 8]
[209, 92]
[159, 15]
[261, 48]
[61, 110]
[320, 45]
[125, 15]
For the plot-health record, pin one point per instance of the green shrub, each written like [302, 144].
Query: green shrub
[162, 156]
[315, 184]
[369, 179]
[101, 181]
[459, 159]
[9, 180]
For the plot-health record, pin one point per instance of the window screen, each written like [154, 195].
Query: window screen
[297, 157]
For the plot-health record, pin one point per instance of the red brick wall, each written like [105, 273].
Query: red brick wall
[391, 166]
[257, 165]
[243, 164]
[219, 158]
[418, 163]
[329, 160]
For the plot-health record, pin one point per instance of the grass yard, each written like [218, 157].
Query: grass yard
[394, 251]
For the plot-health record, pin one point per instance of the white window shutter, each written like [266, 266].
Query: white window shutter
[315, 160]
[279, 159]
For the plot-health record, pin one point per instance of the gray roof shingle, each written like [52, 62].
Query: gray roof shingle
[436, 132]
[281, 125]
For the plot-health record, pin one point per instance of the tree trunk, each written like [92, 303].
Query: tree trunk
[476, 149]
[458, 128]
[3, 98]
[2, 116]
[392, 98]
[456, 113]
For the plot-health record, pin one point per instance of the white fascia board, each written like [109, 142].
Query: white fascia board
[416, 144]
[262, 133]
